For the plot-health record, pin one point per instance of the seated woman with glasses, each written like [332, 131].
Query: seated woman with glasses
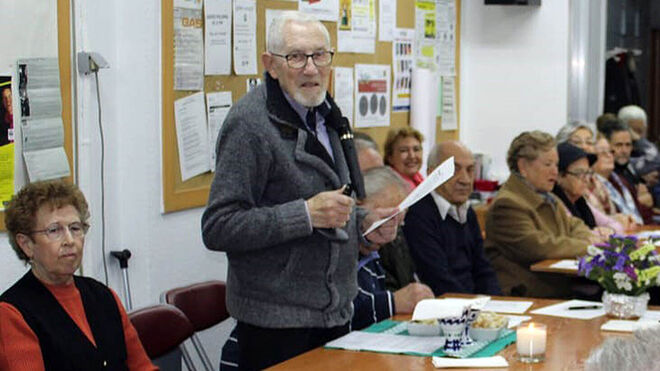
[526, 223]
[51, 319]
[574, 170]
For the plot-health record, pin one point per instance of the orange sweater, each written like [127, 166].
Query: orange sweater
[19, 345]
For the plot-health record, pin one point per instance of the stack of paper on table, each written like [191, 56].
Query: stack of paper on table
[495, 361]
[387, 343]
[561, 309]
[444, 308]
[571, 264]
[649, 319]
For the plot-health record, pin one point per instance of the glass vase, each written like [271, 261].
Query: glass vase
[625, 306]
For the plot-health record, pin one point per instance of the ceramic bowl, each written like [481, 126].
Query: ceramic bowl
[485, 334]
[424, 329]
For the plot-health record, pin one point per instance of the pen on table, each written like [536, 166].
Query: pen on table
[585, 307]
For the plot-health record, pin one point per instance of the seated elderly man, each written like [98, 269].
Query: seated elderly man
[443, 232]
[373, 302]
[368, 155]
[644, 152]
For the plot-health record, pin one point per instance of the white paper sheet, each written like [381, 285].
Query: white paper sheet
[344, 91]
[627, 326]
[324, 10]
[571, 264]
[425, 33]
[217, 37]
[508, 306]
[449, 103]
[46, 164]
[372, 95]
[651, 315]
[188, 49]
[561, 310]
[245, 41]
[403, 58]
[440, 175]
[488, 362]
[356, 30]
[442, 308]
[386, 19]
[42, 131]
[514, 321]
[217, 107]
[191, 135]
[388, 343]
[445, 53]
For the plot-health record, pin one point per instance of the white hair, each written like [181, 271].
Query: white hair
[630, 113]
[640, 352]
[276, 42]
[564, 134]
[378, 179]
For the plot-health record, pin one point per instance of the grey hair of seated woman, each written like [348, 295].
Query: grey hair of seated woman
[640, 352]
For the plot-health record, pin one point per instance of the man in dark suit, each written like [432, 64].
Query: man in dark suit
[443, 233]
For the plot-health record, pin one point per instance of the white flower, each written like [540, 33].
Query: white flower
[593, 250]
[622, 281]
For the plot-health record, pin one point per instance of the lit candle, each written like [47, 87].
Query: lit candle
[530, 342]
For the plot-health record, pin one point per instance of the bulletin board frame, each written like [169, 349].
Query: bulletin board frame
[180, 195]
[64, 60]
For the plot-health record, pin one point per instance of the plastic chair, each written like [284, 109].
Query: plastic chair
[161, 329]
[205, 306]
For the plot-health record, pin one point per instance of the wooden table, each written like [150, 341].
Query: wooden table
[545, 266]
[570, 341]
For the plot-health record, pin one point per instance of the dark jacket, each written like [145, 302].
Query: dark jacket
[449, 256]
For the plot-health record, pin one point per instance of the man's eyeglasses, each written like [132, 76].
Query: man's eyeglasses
[320, 58]
[582, 174]
[55, 232]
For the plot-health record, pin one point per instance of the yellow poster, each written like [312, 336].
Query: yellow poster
[6, 173]
[345, 15]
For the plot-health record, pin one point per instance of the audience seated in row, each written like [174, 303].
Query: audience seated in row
[443, 233]
[526, 222]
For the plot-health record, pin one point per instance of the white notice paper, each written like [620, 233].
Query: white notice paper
[508, 306]
[440, 175]
[387, 343]
[188, 49]
[191, 135]
[403, 57]
[217, 37]
[448, 103]
[344, 91]
[571, 264]
[561, 310]
[445, 55]
[356, 29]
[217, 107]
[324, 10]
[46, 164]
[245, 40]
[386, 19]
[372, 95]
[42, 133]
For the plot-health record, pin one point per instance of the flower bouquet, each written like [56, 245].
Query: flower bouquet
[626, 268]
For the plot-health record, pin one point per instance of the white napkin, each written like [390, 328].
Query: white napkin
[439, 308]
[444, 362]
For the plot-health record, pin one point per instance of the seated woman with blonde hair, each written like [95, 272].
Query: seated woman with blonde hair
[51, 319]
[527, 223]
[403, 153]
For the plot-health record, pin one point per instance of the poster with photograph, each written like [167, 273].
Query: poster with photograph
[372, 95]
[6, 111]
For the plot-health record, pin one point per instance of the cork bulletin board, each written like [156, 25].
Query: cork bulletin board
[180, 195]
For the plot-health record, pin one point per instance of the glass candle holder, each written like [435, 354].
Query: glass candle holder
[530, 342]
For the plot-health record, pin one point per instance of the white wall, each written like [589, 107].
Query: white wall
[514, 70]
[514, 63]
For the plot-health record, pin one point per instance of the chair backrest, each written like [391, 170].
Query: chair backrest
[161, 328]
[203, 303]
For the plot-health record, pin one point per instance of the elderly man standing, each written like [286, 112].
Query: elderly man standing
[278, 191]
[443, 233]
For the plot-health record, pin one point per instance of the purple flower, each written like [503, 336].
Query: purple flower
[620, 261]
[630, 271]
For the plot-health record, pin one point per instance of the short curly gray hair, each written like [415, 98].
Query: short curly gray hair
[564, 134]
[528, 145]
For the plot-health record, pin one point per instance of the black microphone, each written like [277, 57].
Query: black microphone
[350, 153]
